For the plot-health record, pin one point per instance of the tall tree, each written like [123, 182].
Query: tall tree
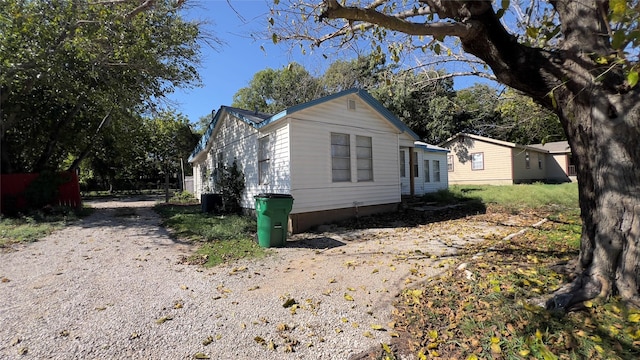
[578, 59]
[523, 121]
[70, 67]
[272, 90]
[363, 72]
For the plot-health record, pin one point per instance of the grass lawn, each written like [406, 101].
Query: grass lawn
[222, 238]
[36, 225]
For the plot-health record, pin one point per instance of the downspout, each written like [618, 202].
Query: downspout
[411, 173]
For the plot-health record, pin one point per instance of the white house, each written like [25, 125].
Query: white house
[338, 156]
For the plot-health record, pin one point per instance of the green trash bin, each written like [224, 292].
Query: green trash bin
[272, 212]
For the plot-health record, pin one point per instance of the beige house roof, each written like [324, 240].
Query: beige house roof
[556, 147]
[495, 141]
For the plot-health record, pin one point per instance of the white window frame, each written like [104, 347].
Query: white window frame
[364, 158]
[340, 158]
[403, 164]
[264, 160]
[427, 175]
[450, 167]
[477, 161]
[436, 171]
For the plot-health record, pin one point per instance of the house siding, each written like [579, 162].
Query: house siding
[236, 140]
[278, 177]
[433, 186]
[557, 170]
[520, 172]
[312, 186]
[497, 162]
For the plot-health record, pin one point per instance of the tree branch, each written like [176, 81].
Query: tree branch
[333, 10]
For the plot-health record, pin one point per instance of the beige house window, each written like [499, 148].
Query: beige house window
[539, 161]
[340, 157]
[477, 161]
[450, 163]
[527, 160]
[364, 156]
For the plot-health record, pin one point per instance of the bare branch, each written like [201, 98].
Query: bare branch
[334, 10]
[143, 7]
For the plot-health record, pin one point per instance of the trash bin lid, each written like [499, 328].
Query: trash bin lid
[274, 196]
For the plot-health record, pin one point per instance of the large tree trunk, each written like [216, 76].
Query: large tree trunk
[604, 134]
[600, 114]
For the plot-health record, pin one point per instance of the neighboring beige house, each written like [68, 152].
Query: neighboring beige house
[481, 160]
[561, 167]
[338, 156]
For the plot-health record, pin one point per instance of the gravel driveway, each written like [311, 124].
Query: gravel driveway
[112, 287]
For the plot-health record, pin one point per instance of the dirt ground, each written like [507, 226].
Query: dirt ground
[113, 286]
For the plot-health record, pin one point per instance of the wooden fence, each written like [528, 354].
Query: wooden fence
[13, 187]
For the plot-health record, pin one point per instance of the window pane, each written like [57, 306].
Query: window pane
[363, 152]
[364, 164]
[436, 170]
[364, 156]
[340, 150]
[402, 164]
[365, 175]
[340, 157]
[339, 139]
[363, 141]
[427, 178]
[477, 161]
[341, 175]
[341, 164]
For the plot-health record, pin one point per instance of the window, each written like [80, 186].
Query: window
[427, 177]
[527, 160]
[436, 170]
[351, 104]
[403, 165]
[477, 161]
[416, 170]
[364, 156]
[539, 161]
[340, 157]
[263, 159]
[449, 163]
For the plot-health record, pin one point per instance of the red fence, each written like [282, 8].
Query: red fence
[13, 186]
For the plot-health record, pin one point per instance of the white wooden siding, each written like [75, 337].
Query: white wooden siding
[434, 186]
[420, 186]
[311, 181]
[278, 178]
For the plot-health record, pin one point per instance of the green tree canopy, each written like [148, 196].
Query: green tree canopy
[70, 68]
[272, 90]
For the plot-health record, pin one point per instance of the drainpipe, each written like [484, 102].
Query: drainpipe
[411, 173]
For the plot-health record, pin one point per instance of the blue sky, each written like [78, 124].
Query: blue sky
[230, 66]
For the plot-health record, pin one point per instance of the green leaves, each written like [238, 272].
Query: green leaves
[632, 78]
[67, 65]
